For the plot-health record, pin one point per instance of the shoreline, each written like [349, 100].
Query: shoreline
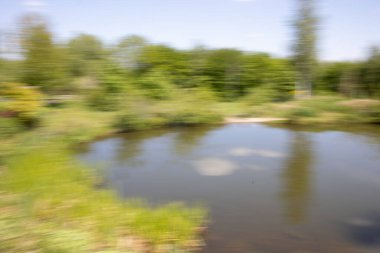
[234, 120]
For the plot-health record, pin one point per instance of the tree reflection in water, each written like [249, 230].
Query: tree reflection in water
[297, 177]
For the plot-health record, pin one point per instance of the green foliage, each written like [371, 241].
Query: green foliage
[48, 203]
[100, 99]
[44, 63]
[9, 70]
[299, 112]
[371, 74]
[191, 107]
[363, 110]
[260, 95]
[156, 85]
[109, 92]
[372, 114]
[324, 103]
[305, 45]
[224, 70]
[74, 123]
[130, 121]
[86, 54]
[328, 76]
[24, 101]
[173, 64]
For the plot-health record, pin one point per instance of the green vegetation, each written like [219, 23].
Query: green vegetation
[57, 95]
[321, 110]
[305, 53]
[49, 204]
[21, 101]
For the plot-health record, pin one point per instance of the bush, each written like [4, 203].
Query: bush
[130, 121]
[156, 85]
[192, 107]
[369, 114]
[296, 114]
[259, 96]
[189, 117]
[24, 101]
[100, 100]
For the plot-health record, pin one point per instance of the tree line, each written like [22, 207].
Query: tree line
[85, 64]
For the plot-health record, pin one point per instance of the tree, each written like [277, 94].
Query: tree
[86, 53]
[128, 50]
[371, 82]
[44, 64]
[224, 69]
[305, 46]
[162, 59]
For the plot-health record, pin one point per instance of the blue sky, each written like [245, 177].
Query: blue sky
[348, 27]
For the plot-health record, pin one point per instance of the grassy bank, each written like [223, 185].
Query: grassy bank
[50, 202]
[315, 110]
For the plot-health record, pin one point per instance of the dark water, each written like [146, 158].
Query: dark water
[268, 189]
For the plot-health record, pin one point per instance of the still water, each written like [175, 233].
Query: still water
[268, 189]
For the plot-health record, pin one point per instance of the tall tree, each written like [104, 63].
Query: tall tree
[43, 61]
[128, 51]
[305, 53]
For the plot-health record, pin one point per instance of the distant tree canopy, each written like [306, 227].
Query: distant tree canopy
[85, 54]
[85, 65]
[352, 79]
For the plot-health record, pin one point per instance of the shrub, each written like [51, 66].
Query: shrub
[192, 107]
[297, 113]
[369, 114]
[24, 101]
[260, 96]
[100, 100]
[188, 117]
[129, 121]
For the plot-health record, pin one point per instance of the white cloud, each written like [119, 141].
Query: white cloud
[240, 152]
[257, 152]
[215, 167]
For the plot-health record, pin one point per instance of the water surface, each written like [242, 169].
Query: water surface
[268, 189]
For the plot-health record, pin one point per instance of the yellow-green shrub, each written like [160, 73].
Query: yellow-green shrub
[24, 101]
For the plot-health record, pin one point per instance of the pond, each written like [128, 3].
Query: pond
[268, 189]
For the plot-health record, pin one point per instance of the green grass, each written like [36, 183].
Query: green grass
[49, 204]
[321, 110]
